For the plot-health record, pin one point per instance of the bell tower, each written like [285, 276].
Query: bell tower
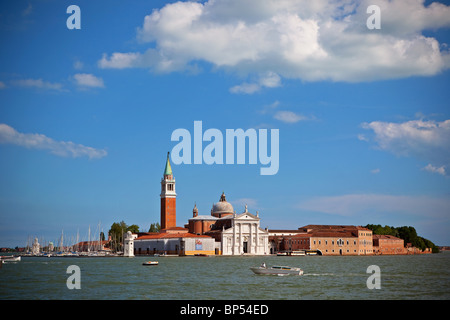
[168, 198]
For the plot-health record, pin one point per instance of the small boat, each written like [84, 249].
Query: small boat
[277, 270]
[298, 253]
[10, 259]
[150, 263]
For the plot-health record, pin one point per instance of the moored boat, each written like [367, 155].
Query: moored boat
[277, 270]
[10, 259]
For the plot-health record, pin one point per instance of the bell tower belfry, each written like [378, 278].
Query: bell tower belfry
[168, 198]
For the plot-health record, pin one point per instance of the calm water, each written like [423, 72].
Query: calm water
[402, 277]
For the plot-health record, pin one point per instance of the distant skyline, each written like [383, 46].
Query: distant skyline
[86, 115]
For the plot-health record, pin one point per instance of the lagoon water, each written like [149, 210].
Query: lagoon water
[227, 278]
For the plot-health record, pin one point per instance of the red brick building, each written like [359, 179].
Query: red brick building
[387, 244]
[325, 240]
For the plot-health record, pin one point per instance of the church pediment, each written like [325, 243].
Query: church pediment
[246, 216]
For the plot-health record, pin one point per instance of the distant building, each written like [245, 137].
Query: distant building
[324, 239]
[168, 198]
[223, 232]
[387, 244]
[36, 248]
[171, 240]
[174, 243]
[95, 245]
[235, 234]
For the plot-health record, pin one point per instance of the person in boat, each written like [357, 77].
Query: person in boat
[263, 265]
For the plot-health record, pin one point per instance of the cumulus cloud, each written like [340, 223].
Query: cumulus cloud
[268, 80]
[440, 170]
[9, 135]
[427, 140]
[88, 80]
[300, 39]
[359, 204]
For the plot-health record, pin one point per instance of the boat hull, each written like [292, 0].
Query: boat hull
[11, 259]
[277, 271]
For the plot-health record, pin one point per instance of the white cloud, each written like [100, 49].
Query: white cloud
[427, 140]
[362, 137]
[37, 83]
[247, 88]
[283, 115]
[9, 135]
[268, 80]
[440, 170]
[88, 80]
[301, 39]
[121, 61]
[289, 116]
[368, 204]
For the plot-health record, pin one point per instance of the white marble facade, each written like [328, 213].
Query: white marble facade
[245, 236]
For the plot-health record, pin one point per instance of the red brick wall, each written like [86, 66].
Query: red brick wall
[168, 213]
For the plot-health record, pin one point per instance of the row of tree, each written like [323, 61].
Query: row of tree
[119, 228]
[408, 234]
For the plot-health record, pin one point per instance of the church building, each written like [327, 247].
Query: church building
[223, 232]
[235, 234]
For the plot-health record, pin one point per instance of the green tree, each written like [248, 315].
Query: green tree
[154, 227]
[408, 234]
[116, 232]
[133, 228]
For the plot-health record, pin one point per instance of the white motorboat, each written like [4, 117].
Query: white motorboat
[298, 253]
[150, 263]
[10, 259]
[277, 270]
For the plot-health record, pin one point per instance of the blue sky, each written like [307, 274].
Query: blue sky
[86, 115]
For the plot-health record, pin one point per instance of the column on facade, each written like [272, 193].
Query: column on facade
[257, 237]
[240, 238]
[234, 239]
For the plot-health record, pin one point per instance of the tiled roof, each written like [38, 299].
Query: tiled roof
[163, 235]
[204, 217]
[385, 236]
[326, 234]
